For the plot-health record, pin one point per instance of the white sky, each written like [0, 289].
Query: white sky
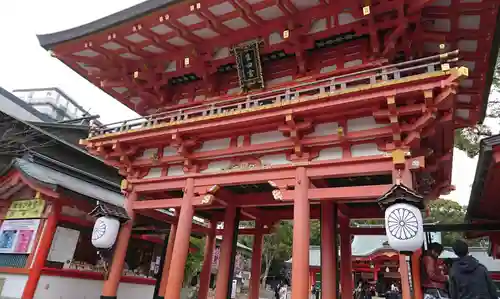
[24, 64]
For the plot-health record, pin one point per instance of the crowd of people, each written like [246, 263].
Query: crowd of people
[464, 278]
[461, 278]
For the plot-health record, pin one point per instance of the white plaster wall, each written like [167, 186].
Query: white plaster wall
[278, 159]
[279, 80]
[14, 285]
[332, 153]
[154, 172]
[53, 287]
[240, 140]
[363, 123]
[234, 91]
[365, 149]
[327, 69]
[266, 137]
[169, 151]
[324, 129]
[149, 153]
[175, 170]
[275, 38]
[200, 97]
[353, 63]
[318, 26]
[217, 166]
[216, 144]
[171, 67]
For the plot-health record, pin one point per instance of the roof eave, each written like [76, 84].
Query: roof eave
[48, 41]
[491, 71]
[483, 165]
[4, 170]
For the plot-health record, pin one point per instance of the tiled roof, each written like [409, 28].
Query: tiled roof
[361, 246]
[104, 209]
[55, 179]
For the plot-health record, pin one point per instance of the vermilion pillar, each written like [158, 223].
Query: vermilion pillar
[405, 278]
[226, 248]
[42, 252]
[328, 247]
[415, 274]
[110, 287]
[256, 264]
[301, 227]
[181, 244]
[347, 286]
[206, 269]
[168, 260]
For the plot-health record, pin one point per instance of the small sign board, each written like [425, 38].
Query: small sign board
[249, 65]
[18, 236]
[25, 209]
[233, 288]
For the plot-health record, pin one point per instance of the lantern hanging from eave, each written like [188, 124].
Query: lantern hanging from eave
[105, 232]
[404, 225]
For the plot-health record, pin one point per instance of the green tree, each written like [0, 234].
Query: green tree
[315, 237]
[277, 246]
[194, 260]
[444, 211]
[467, 139]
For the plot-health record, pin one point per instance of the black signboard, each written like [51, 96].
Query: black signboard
[248, 65]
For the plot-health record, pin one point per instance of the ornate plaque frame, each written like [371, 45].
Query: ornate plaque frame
[248, 64]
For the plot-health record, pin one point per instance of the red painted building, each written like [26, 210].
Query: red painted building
[269, 110]
[483, 200]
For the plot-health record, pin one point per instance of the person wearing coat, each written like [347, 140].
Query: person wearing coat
[433, 279]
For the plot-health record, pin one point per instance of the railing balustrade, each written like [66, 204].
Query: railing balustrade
[286, 94]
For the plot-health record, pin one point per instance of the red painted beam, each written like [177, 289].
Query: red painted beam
[358, 193]
[315, 170]
[165, 203]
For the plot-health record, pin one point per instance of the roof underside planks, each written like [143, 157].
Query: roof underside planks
[483, 203]
[156, 36]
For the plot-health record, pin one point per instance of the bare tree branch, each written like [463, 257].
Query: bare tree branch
[16, 138]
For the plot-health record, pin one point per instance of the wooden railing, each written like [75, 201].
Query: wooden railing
[384, 73]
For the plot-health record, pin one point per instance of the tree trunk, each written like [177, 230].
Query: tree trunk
[266, 272]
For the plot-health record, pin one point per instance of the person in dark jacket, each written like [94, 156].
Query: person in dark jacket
[433, 279]
[469, 279]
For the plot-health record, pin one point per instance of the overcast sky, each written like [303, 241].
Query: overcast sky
[24, 64]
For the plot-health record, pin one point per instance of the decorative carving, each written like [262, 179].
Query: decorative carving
[277, 194]
[248, 163]
[207, 199]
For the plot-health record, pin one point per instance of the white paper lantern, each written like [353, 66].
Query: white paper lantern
[404, 227]
[105, 232]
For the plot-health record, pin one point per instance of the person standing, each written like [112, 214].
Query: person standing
[433, 279]
[469, 279]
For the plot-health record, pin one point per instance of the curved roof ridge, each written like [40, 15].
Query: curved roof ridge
[47, 41]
